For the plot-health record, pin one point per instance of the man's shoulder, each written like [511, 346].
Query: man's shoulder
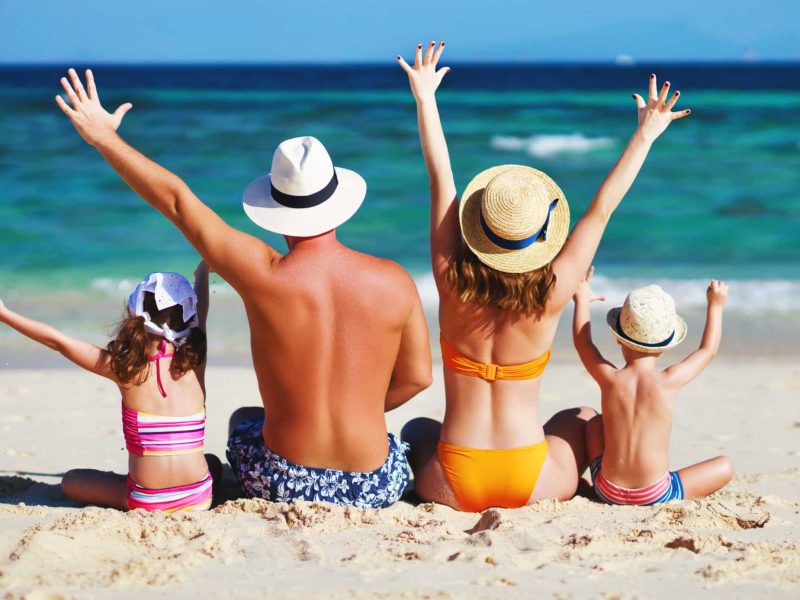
[386, 272]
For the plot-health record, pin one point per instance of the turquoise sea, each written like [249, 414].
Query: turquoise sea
[718, 197]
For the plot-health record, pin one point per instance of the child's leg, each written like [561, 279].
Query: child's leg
[101, 488]
[595, 441]
[706, 477]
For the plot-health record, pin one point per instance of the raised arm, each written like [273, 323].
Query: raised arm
[412, 369]
[599, 368]
[655, 115]
[445, 231]
[239, 258]
[85, 355]
[201, 290]
[683, 372]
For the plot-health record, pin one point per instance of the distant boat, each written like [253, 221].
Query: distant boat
[750, 56]
[624, 60]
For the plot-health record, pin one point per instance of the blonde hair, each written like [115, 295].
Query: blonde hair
[474, 282]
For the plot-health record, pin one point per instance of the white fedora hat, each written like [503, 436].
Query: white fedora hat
[647, 321]
[304, 194]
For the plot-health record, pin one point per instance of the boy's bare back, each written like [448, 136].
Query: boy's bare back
[634, 431]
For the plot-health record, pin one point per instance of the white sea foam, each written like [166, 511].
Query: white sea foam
[116, 287]
[547, 145]
[746, 295]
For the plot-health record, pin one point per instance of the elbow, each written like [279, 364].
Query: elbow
[421, 382]
[173, 204]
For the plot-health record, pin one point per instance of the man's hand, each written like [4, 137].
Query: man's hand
[717, 293]
[656, 114]
[585, 293]
[423, 76]
[87, 114]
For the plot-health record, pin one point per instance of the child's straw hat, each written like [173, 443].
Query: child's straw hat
[647, 322]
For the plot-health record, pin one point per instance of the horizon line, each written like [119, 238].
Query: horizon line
[478, 63]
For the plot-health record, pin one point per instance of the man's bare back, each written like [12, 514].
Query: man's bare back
[326, 327]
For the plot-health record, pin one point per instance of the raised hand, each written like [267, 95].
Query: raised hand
[717, 293]
[423, 76]
[86, 113]
[656, 114]
[584, 292]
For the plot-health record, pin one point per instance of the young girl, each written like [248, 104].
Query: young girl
[157, 360]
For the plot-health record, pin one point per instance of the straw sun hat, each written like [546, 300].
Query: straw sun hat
[647, 322]
[514, 218]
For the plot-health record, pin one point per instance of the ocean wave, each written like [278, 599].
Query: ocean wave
[110, 286]
[745, 295]
[547, 145]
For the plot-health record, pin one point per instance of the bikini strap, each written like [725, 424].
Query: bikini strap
[157, 358]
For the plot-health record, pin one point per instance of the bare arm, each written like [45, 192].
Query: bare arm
[598, 367]
[412, 369]
[445, 231]
[683, 372]
[579, 250]
[83, 354]
[239, 258]
[201, 290]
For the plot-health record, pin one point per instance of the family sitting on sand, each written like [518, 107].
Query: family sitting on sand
[339, 338]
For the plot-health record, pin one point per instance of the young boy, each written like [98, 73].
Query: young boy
[628, 445]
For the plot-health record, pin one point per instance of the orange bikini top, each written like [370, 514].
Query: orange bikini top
[459, 363]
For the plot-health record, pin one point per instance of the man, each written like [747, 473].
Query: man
[337, 337]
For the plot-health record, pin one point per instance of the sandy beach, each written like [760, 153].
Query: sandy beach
[742, 542]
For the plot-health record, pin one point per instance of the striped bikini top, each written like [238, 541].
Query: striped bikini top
[455, 361]
[157, 435]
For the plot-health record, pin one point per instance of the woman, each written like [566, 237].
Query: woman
[502, 290]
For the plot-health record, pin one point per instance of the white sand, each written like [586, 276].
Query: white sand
[742, 542]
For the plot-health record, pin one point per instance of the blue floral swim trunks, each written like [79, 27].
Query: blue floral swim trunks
[264, 474]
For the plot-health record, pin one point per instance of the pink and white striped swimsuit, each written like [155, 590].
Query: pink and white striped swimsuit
[189, 497]
[158, 435]
[669, 487]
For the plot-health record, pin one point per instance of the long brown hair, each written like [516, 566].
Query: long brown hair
[131, 345]
[474, 282]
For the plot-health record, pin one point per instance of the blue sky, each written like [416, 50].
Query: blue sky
[376, 30]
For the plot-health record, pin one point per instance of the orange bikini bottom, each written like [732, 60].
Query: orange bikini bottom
[481, 478]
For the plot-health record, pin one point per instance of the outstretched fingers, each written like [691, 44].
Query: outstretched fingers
[64, 107]
[404, 65]
[73, 97]
[438, 54]
[91, 89]
[418, 56]
[77, 84]
[662, 97]
[652, 94]
[429, 54]
[673, 100]
[121, 110]
[681, 114]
